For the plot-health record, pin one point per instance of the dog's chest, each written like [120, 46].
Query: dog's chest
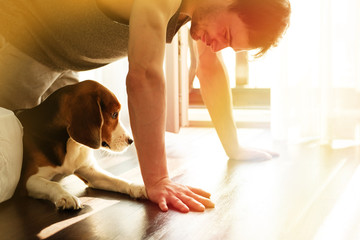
[77, 155]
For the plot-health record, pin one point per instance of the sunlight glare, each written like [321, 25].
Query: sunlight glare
[96, 204]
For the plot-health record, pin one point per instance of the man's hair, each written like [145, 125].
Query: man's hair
[266, 21]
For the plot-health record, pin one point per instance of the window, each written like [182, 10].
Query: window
[250, 92]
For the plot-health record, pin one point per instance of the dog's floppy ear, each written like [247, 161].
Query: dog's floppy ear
[86, 121]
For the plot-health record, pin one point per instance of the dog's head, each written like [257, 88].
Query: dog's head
[93, 117]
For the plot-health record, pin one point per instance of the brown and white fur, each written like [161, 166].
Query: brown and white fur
[59, 136]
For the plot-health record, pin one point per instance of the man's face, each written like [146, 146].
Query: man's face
[219, 28]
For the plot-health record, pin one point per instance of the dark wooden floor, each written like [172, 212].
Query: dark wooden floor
[309, 192]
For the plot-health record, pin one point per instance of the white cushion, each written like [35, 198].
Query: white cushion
[11, 153]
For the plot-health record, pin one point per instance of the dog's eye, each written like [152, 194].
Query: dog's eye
[115, 115]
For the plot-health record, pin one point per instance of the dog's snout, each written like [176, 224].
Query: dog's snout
[130, 141]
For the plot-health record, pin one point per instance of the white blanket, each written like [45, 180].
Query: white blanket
[11, 153]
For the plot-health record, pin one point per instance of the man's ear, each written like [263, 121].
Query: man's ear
[86, 121]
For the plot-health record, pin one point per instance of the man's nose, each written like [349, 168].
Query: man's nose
[220, 43]
[219, 46]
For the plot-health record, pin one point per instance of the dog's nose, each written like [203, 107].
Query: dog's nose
[130, 141]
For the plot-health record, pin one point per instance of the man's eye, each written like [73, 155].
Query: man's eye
[115, 115]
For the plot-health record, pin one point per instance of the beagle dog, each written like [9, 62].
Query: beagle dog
[59, 136]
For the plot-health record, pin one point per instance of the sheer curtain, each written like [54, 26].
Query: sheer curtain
[316, 73]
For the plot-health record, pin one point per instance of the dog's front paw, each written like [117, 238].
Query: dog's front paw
[68, 201]
[137, 191]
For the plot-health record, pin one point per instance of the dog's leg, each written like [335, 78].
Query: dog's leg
[39, 187]
[95, 177]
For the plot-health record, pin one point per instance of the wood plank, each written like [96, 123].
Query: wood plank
[296, 196]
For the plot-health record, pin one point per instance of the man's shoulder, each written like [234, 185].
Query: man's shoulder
[168, 7]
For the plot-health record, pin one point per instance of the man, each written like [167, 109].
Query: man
[45, 41]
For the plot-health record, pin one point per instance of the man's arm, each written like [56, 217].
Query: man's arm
[216, 93]
[147, 104]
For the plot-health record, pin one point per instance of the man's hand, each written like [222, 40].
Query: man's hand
[252, 154]
[183, 198]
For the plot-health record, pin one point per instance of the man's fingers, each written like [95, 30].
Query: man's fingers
[180, 197]
[201, 196]
[192, 203]
[163, 206]
[270, 154]
[200, 192]
[273, 154]
[178, 204]
[185, 203]
[204, 201]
